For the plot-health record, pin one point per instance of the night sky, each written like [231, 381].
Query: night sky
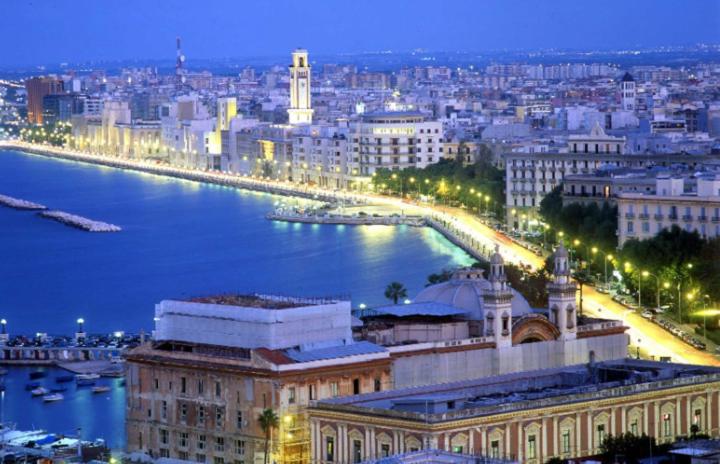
[51, 31]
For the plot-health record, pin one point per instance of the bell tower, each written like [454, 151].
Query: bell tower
[300, 111]
[561, 296]
[497, 303]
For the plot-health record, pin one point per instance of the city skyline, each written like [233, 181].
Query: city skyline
[226, 30]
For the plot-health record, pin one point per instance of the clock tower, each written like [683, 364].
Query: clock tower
[300, 111]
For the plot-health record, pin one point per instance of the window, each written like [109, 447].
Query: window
[634, 427]
[291, 395]
[183, 455]
[218, 390]
[219, 417]
[356, 386]
[357, 451]
[201, 387]
[378, 384]
[164, 453]
[565, 445]
[384, 450]
[183, 385]
[600, 434]
[531, 447]
[630, 227]
[157, 384]
[201, 441]
[201, 415]
[667, 425]
[220, 444]
[239, 420]
[240, 447]
[164, 436]
[199, 457]
[163, 410]
[334, 389]
[218, 460]
[183, 441]
[311, 392]
[457, 449]
[495, 449]
[329, 449]
[183, 412]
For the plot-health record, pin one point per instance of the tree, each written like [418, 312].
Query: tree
[628, 448]
[442, 276]
[268, 421]
[394, 291]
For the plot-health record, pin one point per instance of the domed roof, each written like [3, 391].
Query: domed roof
[465, 290]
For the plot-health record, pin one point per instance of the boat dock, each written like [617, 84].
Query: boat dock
[356, 220]
[80, 222]
[17, 203]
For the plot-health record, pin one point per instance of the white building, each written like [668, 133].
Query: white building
[300, 111]
[642, 216]
[627, 87]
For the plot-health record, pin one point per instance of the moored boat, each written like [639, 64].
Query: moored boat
[64, 378]
[86, 379]
[40, 391]
[101, 389]
[32, 386]
[37, 375]
[53, 397]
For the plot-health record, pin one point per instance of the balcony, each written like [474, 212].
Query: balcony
[702, 218]
[629, 215]
[658, 217]
[687, 218]
[715, 219]
[673, 217]
[643, 216]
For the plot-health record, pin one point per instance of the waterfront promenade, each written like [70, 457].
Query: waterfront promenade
[461, 227]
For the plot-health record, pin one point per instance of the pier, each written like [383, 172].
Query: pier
[17, 203]
[80, 222]
[356, 220]
[50, 355]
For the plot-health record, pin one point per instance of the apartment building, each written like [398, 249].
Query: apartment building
[643, 215]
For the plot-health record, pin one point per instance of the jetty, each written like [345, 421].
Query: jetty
[17, 203]
[80, 222]
[355, 220]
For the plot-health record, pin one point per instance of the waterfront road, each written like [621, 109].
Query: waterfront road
[650, 338]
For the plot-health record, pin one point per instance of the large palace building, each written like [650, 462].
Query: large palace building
[528, 417]
[196, 391]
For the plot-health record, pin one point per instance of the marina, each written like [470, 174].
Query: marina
[80, 222]
[17, 203]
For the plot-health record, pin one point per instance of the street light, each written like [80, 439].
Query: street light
[80, 323]
[657, 287]
[606, 257]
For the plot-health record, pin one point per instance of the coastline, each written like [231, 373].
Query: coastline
[442, 222]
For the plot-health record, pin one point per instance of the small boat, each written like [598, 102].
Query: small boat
[32, 386]
[86, 379]
[37, 375]
[40, 391]
[64, 378]
[101, 389]
[58, 389]
[53, 397]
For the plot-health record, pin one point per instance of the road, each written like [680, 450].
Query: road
[651, 338]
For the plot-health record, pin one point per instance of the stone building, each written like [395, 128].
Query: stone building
[529, 416]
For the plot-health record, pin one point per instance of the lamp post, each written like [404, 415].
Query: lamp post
[657, 287]
[606, 257]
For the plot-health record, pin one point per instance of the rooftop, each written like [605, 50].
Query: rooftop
[524, 390]
[250, 301]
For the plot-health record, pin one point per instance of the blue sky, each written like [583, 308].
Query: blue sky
[48, 31]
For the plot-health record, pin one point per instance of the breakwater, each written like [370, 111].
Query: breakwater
[17, 203]
[80, 222]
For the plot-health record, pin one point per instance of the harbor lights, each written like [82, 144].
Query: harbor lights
[4, 337]
[80, 334]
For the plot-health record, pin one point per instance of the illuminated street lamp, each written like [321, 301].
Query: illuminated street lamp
[657, 287]
[80, 323]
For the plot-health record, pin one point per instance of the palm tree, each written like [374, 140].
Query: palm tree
[394, 291]
[268, 421]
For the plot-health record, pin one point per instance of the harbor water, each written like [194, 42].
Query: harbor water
[179, 239]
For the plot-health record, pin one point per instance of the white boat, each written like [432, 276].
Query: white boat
[40, 391]
[53, 397]
[86, 379]
[100, 389]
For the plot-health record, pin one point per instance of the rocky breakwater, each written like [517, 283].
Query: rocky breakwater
[80, 222]
[17, 203]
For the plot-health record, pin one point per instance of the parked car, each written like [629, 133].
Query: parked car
[647, 315]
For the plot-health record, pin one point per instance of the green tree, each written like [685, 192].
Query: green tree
[394, 291]
[268, 421]
[627, 448]
[442, 276]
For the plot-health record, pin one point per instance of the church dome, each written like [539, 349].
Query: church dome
[465, 290]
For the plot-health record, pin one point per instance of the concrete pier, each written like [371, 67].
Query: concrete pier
[17, 203]
[80, 222]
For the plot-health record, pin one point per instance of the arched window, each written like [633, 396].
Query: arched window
[570, 317]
